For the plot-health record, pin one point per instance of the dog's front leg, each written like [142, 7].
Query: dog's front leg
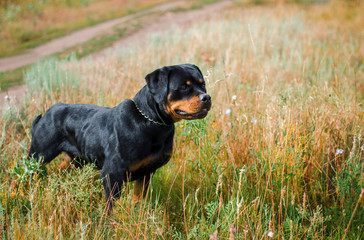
[141, 187]
[113, 178]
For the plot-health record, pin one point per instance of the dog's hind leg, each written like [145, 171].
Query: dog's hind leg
[45, 156]
[46, 145]
[44, 151]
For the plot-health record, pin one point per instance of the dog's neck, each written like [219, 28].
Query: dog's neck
[150, 109]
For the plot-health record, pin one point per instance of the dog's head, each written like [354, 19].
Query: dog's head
[180, 90]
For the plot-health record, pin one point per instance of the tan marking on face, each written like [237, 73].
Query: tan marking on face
[188, 83]
[143, 163]
[190, 106]
[201, 81]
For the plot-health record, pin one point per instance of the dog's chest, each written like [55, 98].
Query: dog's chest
[152, 152]
[150, 163]
[159, 155]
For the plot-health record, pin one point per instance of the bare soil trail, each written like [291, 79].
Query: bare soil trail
[157, 19]
[75, 38]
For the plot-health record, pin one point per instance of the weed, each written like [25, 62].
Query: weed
[24, 170]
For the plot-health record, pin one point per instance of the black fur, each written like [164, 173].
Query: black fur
[119, 139]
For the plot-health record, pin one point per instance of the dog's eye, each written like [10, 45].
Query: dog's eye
[184, 87]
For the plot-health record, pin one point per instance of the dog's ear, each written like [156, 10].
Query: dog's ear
[157, 83]
[197, 68]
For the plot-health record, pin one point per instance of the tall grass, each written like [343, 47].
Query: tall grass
[280, 155]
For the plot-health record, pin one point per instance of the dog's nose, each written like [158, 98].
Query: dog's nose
[205, 98]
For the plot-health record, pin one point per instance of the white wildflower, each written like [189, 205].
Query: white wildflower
[339, 151]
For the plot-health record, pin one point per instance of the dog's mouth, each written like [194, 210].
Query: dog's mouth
[198, 115]
[189, 109]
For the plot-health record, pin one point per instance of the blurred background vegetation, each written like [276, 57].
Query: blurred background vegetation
[29, 23]
[26, 24]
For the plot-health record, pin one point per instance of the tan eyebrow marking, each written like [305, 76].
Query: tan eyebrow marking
[188, 83]
[201, 80]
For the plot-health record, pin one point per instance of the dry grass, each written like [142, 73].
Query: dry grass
[285, 159]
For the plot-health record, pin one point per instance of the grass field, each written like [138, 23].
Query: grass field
[280, 156]
[29, 23]
[26, 24]
[52, 19]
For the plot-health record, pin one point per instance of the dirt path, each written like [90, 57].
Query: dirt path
[165, 22]
[152, 23]
[75, 38]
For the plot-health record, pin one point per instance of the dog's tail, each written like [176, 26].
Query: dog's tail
[32, 152]
[36, 120]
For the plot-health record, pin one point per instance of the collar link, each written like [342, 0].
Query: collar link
[146, 117]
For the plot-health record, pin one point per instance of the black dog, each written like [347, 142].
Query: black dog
[130, 141]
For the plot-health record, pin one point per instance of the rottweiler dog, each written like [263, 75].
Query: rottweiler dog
[127, 142]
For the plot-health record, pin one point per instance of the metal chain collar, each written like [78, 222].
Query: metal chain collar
[146, 117]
